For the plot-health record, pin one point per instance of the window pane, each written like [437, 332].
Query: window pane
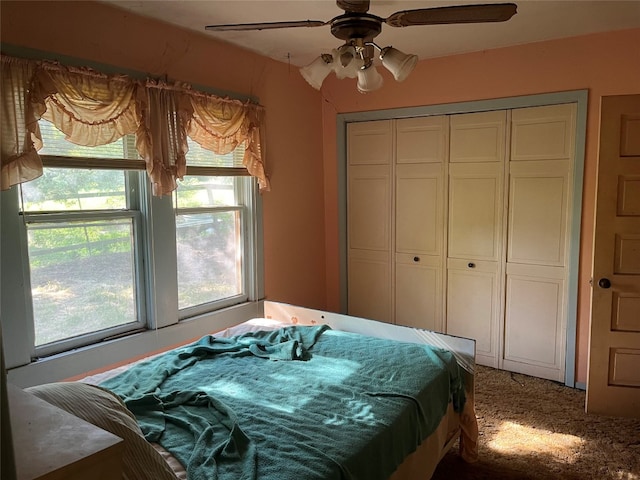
[206, 192]
[209, 257]
[82, 277]
[199, 157]
[54, 143]
[62, 189]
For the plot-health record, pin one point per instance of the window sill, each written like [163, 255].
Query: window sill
[101, 356]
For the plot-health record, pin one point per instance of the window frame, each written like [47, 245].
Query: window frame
[131, 178]
[134, 183]
[239, 184]
[156, 278]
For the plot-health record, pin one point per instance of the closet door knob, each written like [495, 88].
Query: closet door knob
[471, 265]
[416, 259]
[604, 283]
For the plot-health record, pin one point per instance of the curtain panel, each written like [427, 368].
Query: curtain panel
[93, 108]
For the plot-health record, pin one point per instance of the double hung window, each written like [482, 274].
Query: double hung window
[90, 256]
[210, 225]
[83, 230]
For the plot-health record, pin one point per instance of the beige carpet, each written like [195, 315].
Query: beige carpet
[537, 429]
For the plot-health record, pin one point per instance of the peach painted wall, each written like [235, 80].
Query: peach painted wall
[605, 64]
[294, 240]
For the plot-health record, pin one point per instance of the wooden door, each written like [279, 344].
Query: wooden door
[613, 386]
[421, 152]
[540, 185]
[369, 222]
[475, 222]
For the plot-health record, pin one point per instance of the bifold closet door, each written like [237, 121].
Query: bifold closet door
[475, 230]
[540, 185]
[420, 162]
[369, 197]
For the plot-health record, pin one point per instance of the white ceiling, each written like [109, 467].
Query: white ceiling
[536, 20]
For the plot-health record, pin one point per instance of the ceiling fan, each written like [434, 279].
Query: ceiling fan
[358, 28]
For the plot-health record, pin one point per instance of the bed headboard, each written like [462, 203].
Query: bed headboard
[464, 349]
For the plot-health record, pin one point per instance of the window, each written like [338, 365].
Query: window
[208, 239]
[210, 214]
[83, 255]
[91, 248]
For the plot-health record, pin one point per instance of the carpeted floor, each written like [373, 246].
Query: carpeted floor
[537, 429]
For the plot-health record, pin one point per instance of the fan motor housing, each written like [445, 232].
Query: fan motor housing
[347, 27]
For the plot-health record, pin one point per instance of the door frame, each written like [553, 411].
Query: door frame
[579, 97]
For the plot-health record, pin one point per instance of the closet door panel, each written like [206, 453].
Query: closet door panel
[543, 133]
[478, 137]
[419, 292]
[473, 306]
[537, 225]
[419, 209]
[369, 205]
[421, 140]
[369, 143]
[369, 285]
[475, 211]
[534, 336]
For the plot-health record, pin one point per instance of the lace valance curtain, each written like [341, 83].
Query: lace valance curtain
[93, 108]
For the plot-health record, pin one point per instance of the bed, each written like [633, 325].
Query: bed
[295, 394]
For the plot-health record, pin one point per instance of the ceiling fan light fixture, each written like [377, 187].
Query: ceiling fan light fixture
[345, 54]
[398, 63]
[317, 71]
[347, 63]
[351, 70]
[369, 79]
[357, 28]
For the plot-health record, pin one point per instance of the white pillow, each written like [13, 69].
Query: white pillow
[106, 410]
[253, 325]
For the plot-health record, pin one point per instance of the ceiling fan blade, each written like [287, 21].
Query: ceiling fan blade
[496, 12]
[264, 26]
[354, 6]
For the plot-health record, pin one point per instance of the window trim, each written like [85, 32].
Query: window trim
[242, 196]
[188, 312]
[164, 326]
[131, 179]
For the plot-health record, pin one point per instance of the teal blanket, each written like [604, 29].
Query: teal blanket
[295, 403]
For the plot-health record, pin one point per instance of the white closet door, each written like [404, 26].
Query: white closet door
[369, 197]
[542, 152]
[421, 151]
[475, 230]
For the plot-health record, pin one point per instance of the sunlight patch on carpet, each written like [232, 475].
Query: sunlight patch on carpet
[628, 476]
[521, 439]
